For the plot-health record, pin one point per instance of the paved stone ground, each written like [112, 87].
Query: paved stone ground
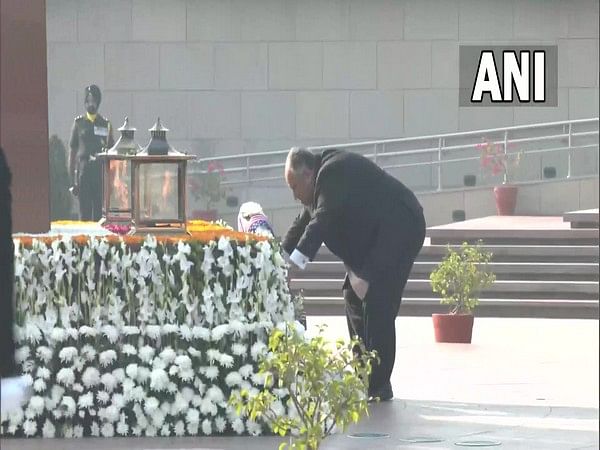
[523, 383]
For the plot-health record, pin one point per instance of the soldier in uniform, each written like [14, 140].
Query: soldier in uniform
[91, 134]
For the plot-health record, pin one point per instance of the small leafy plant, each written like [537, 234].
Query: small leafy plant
[496, 161]
[460, 277]
[208, 187]
[324, 386]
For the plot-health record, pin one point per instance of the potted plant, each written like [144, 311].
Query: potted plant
[319, 387]
[458, 279]
[208, 189]
[496, 160]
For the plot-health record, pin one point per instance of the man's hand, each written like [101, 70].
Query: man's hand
[359, 286]
[74, 190]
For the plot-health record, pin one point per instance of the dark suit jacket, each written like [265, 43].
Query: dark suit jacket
[356, 204]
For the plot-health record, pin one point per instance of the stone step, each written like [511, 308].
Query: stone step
[488, 307]
[503, 270]
[504, 289]
[523, 253]
[586, 218]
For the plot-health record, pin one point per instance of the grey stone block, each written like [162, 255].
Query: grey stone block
[213, 20]
[588, 193]
[267, 20]
[61, 21]
[577, 62]
[581, 17]
[322, 114]
[376, 19]
[322, 20]
[403, 65]
[376, 114]
[295, 65]
[268, 115]
[132, 66]
[438, 207]
[557, 198]
[444, 64]
[535, 20]
[583, 103]
[74, 66]
[115, 106]
[527, 115]
[529, 200]
[171, 107]
[214, 115]
[186, 66]
[106, 21]
[430, 112]
[241, 66]
[479, 203]
[485, 20]
[157, 21]
[482, 118]
[431, 19]
[349, 65]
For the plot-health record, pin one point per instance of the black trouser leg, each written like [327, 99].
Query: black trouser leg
[90, 192]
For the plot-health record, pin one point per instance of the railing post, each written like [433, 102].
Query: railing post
[439, 165]
[248, 168]
[505, 155]
[375, 157]
[570, 151]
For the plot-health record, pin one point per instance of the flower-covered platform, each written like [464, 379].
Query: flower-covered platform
[142, 335]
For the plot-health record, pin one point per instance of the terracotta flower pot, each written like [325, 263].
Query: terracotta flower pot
[210, 215]
[506, 199]
[455, 328]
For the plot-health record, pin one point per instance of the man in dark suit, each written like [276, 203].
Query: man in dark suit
[375, 225]
[91, 134]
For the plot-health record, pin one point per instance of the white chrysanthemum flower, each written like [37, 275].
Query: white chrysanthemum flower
[146, 353]
[179, 405]
[186, 333]
[226, 360]
[78, 364]
[90, 377]
[136, 431]
[168, 355]
[103, 397]
[233, 379]
[183, 361]
[130, 330]
[39, 385]
[132, 370]
[107, 357]
[246, 370]
[169, 328]
[215, 394]
[165, 430]
[179, 428]
[153, 331]
[208, 407]
[213, 355]
[48, 430]
[158, 419]
[78, 387]
[58, 334]
[195, 353]
[122, 428]
[192, 416]
[32, 333]
[159, 380]
[158, 363]
[259, 378]
[86, 400]
[281, 392]
[219, 331]
[67, 354]
[186, 375]
[201, 333]
[151, 431]
[151, 405]
[110, 413]
[119, 374]
[65, 376]
[211, 372]
[68, 406]
[108, 430]
[172, 388]
[187, 393]
[143, 374]
[43, 372]
[173, 370]
[67, 431]
[197, 400]
[21, 354]
[257, 350]
[88, 331]
[118, 401]
[193, 428]
[36, 405]
[238, 426]
[72, 333]
[109, 381]
[238, 349]
[129, 350]
[88, 352]
[77, 431]
[29, 428]
[254, 428]
[220, 424]
[207, 427]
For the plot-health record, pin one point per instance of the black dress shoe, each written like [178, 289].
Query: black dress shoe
[383, 394]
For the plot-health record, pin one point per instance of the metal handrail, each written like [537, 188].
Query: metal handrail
[378, 149]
